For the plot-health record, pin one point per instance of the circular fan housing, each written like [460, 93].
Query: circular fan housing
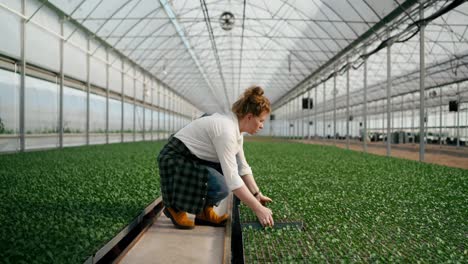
[227, 20]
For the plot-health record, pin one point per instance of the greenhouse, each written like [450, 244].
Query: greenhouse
[360, 141]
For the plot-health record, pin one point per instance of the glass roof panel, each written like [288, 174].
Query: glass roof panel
[278, 43]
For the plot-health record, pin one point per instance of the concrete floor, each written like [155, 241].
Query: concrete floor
[163, 243]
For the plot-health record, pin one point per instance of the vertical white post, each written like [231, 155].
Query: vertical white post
[308, 114]
[158, 102]
[440, 117]
[458, 114]
[412, 118]
[389, 97]
[315, 112]
[22, 89]
[88, 88]
[364, 133]
[422, 77]
[334, 108]
[134, 103]
[107, 96]
[152, 109]
[122, 102]
[60, 124]
[324, 109]
[144, 108]
[290, 106]
[347, 108]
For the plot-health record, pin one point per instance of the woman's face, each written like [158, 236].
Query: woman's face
[255, 123]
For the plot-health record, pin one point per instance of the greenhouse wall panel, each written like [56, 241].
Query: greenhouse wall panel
[98, 67]
[75, 56]
[41, 106]
[10, 26]
[115, 73]
[39, 39]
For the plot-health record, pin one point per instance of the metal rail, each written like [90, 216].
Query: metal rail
[125, 239]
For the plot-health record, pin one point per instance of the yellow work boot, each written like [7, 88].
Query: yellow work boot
[179, 218]
[210, 218]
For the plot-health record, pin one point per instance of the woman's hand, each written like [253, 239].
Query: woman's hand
[265, 216]
[263, 199]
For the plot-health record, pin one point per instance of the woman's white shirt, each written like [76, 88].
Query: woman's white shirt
[217, 138]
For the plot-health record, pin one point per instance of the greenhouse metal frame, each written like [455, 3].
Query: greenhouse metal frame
[178, 48]
[380, 77]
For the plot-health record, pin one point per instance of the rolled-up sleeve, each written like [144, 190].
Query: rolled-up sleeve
[226, 149]
[243, 166]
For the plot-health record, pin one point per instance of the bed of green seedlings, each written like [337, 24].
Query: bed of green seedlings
[356, 207]
[61, 206]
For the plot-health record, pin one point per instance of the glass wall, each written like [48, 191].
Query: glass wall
[74, 117]
[42, 97]
[139, 123]
[154, 132]
[9, 110]
[128, 122]
[41, 113]
[148, 124]
[97, 119]
[115, 120]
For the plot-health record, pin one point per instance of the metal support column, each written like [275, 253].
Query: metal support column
[401, 112]
[134, 103]
[288, 115]
[293, 121]
[158, 103]
[324, 109]
[177, 107]
[364, 133]
[458, 114]
[144, 107]
[107, 95]
[152, 110]
[389, 98]
[412, 118]
[122, 102]
[286, 118]
[170, 99]
[440, 117]
[383, 121]
[88, 86]
[308, 114]
[22, 88]
[422, 77]
[347, 108]
[283, 115]
[334, 108]
[284, 121]
[174, 115]
[169, 113]
[291, 128]
[315, 112]
[60, 124]
[301, 120]
[176, 112]
[166, 112]
[296, 118]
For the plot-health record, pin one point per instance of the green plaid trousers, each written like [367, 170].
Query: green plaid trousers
[184, 181]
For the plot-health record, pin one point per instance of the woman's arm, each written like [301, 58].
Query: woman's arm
[265, 216]
[253, 188]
